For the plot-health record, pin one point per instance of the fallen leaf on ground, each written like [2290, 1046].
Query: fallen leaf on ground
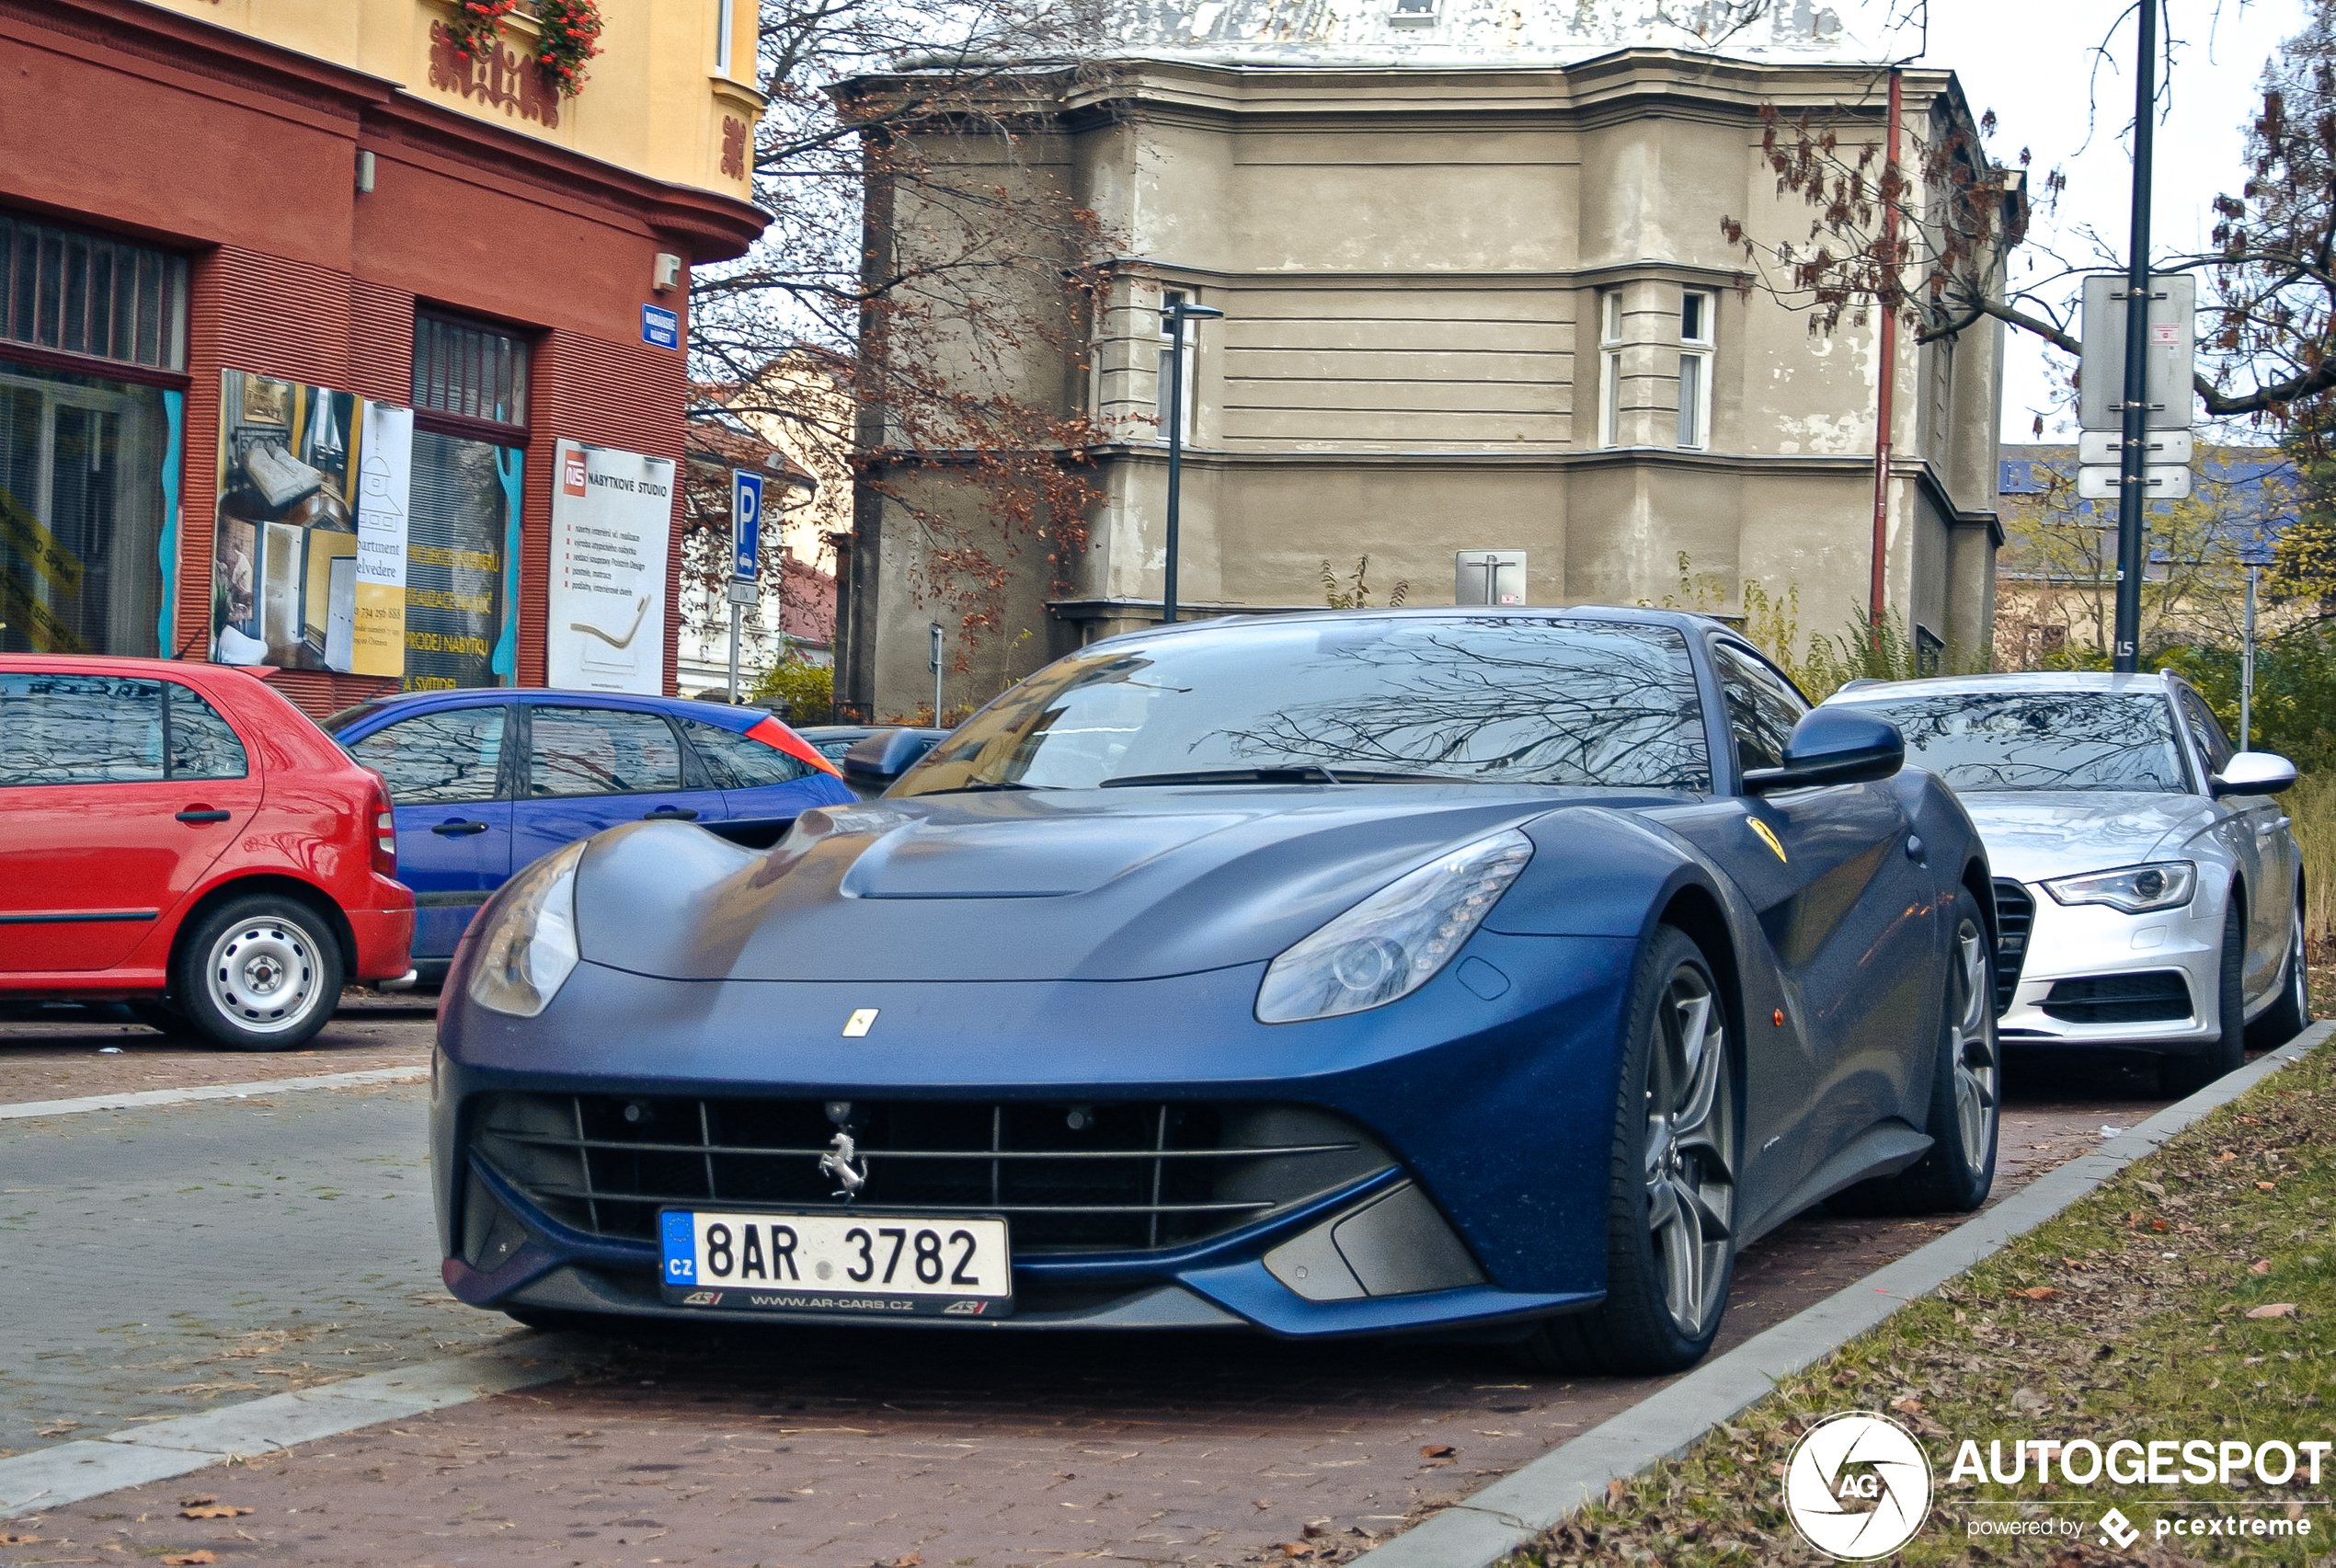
[2225, 1158]
[2152, 1188]
[20, 1540]
[188, 1559]
[197, 1502]
[1310, 1531]
[2272, 1309]
[1907, 1406]
[2268, 1186]
[2260, 1265]
[212, 1511]
[1436, 1451]
[1296, 1549]
[2035, 1292]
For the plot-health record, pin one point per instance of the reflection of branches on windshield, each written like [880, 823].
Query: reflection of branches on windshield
[1570, 705]
[1982, 740]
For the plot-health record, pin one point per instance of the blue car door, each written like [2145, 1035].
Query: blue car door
[591, 767]
[445, 770]
[1847, 915]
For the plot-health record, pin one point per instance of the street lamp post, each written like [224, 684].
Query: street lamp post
[1184, 310]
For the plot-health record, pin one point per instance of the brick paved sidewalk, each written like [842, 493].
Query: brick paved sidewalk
[54, 1054]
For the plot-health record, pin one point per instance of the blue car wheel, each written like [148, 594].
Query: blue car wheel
[1671, 1210]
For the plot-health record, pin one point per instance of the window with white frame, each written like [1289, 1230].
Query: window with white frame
[1609, 381]
[1169, 299]
[722, 26]
[1696, 336]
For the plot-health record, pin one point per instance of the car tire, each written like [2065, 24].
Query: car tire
[2184, 1076]
[2285, 1018]
[259, 973]
[1965, 1119]
[1671, 1198]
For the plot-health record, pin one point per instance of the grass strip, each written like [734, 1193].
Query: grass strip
[2127, 1316]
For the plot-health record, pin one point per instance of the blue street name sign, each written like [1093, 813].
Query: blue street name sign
[746, 523]
[660, 328]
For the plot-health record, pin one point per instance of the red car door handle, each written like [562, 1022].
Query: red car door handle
[203, 813]
[670, 814]
[455, 830]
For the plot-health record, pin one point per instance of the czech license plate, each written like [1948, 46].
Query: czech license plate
[857, 1264]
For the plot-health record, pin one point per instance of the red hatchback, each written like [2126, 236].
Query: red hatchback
[180, 837]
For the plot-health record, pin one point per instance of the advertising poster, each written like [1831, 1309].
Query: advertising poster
[612, 519]
[286, 569]
[384, 480]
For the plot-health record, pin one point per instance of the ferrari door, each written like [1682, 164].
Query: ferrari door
[1850, 929]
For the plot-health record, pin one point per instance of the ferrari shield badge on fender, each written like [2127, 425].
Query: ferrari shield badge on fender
[1767, 837]
[864, 1019]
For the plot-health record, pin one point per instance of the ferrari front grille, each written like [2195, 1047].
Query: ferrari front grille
[1071, 1178]
[2015, 917]
[2160, 996]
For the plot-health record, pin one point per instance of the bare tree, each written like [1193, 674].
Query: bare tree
[917, 258]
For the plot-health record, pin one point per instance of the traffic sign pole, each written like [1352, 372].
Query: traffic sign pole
[2132, 490]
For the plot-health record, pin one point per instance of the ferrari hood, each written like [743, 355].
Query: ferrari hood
[2036, 835]
[1101, 885]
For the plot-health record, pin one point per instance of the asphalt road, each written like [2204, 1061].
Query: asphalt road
[187, 1257]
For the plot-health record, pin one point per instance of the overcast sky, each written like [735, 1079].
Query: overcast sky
[2032, 61]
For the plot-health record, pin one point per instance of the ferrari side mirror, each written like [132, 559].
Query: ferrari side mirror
[2252, 773]
[1833, 746]
[876, 760]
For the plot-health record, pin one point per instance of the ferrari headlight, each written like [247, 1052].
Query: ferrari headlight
[528, 944]
[1393, 942]
[2166, 885]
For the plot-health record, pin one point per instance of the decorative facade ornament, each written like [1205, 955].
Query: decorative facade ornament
[502, 76]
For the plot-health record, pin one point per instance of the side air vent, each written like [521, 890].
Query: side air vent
[2015, 917]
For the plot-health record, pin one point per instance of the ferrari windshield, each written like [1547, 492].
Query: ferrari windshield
[1507, 700]
[2011, 739]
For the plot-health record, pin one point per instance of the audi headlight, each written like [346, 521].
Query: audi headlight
[1393, 942]
[2166, 885]
[529, 945]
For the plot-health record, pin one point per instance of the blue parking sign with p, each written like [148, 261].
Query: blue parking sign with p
[746, 523]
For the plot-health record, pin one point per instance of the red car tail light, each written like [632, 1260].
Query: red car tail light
[384, 833]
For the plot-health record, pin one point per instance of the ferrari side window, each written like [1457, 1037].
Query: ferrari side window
[599, 751]
[1761, 709]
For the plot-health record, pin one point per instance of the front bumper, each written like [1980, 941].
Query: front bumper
[2072, 943]
[1496, 1115]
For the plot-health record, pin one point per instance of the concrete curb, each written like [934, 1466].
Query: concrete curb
[1513, 1510]
[143, 1097]
[51, 1478]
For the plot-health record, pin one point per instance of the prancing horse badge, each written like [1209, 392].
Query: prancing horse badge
[859, 1024]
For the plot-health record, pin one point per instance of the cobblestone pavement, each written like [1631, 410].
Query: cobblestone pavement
[57, 1053]
[846, 1447]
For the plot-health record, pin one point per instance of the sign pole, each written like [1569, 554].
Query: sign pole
[932, 630]
[2133, 456]
[2246, 666]
[738, 612]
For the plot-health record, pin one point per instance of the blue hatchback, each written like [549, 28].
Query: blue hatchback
[485, 782]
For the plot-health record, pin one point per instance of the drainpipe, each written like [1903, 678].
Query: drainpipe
[1887, 301]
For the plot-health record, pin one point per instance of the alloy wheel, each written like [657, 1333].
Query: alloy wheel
[1971, 1040]
[1690, 1150]
[263, 974]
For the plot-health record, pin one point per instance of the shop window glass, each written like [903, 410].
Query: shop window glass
[81, 513]
[460, 531]
[82, 293]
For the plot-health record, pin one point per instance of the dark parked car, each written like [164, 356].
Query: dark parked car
[1331, 974]
[180, 837]
[487, 781]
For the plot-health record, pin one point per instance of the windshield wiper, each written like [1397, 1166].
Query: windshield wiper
[985, 786]
[1303, 773]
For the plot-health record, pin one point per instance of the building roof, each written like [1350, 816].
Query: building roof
[1480, 34]
[2253, 490]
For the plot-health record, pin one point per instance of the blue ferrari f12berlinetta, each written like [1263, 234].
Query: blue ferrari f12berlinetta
[1497, 971]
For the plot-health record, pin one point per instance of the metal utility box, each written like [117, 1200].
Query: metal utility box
[1488, 577]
